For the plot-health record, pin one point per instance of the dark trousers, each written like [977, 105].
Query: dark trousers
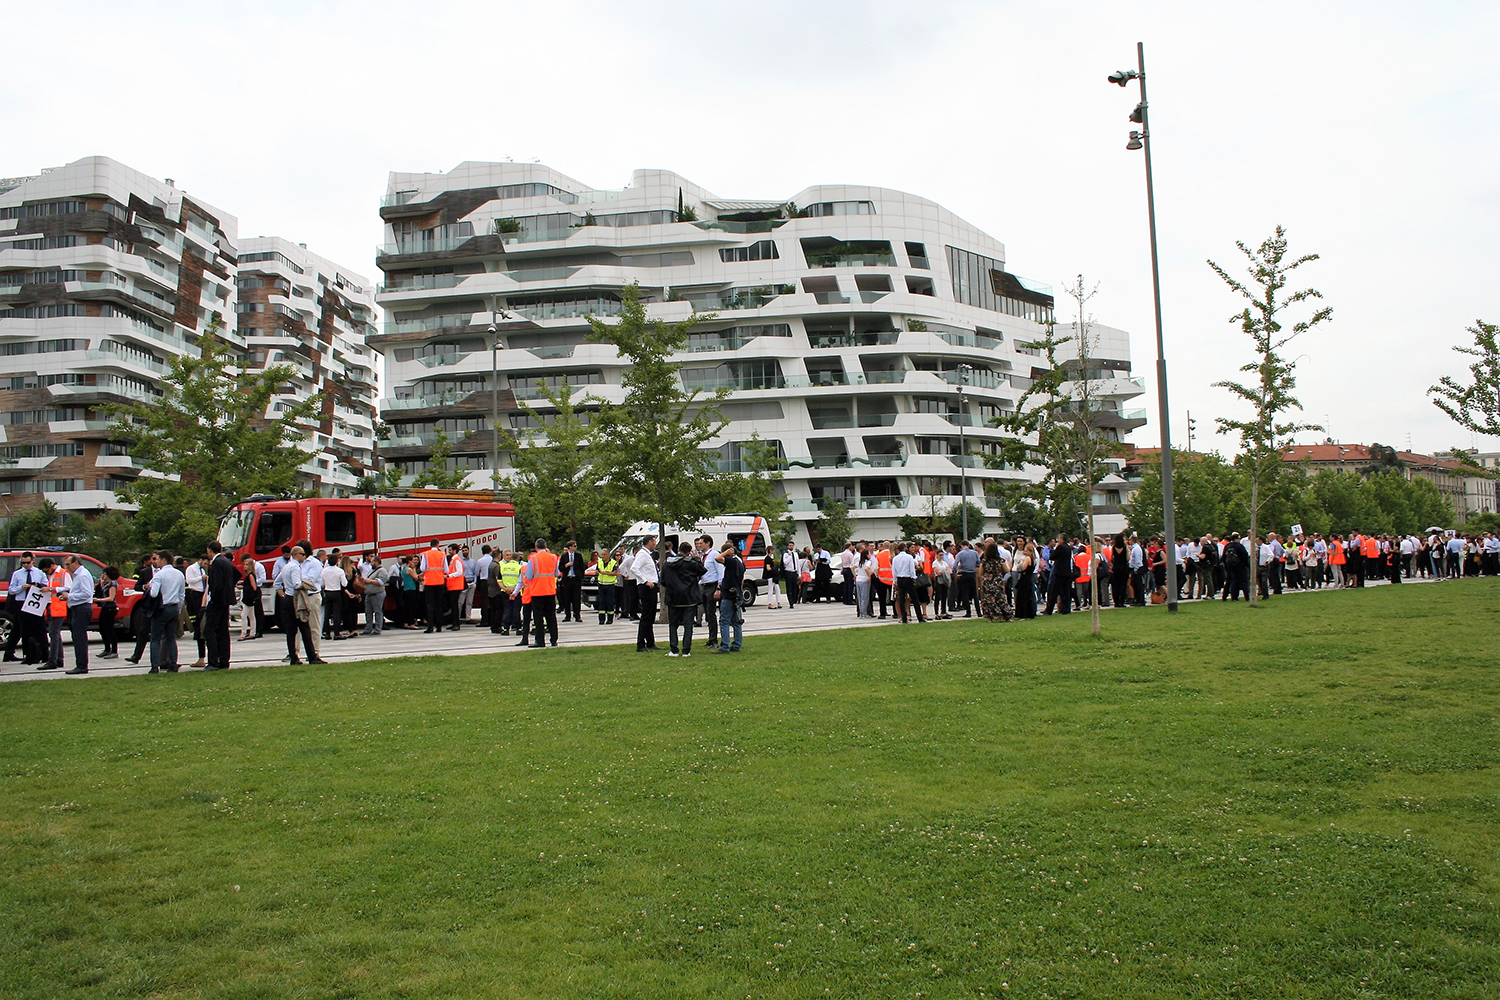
[216, 634]
[260, 613]
[1118, 584]
[79, 618]
[304, 629]
[14, 613]
[645, 635]
[606, 603]
[333, 614]
[849, 586]
[793, 586]
[1142, 581]
[882, 594]
[164, 637]
[544, 617]
[454, 597]
[1060, 593]
[54, 638]
[709, 606]
[495, 611]
[437, 605]
[963, 593]
[630, 605]
[571, 594]
[909, 600]
[680, 616]
[286, 617]
[107, 627]
[195, 618]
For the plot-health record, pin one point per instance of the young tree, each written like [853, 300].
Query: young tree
[1265, 434]
[1043, 437]
[109, 538]
[553, 483]
[213, 440]
[34, 529]
[1475, 406]
[652, 445]
[833, 528]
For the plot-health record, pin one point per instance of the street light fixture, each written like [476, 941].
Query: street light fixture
[1142, 140]
[963, 450]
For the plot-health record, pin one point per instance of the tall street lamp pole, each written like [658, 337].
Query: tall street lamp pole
[963, 451]
[1142, 140]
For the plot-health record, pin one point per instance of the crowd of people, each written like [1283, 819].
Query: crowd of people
[320, 596]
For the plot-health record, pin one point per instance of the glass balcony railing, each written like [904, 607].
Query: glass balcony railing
[764, 226]
[825, 340]
[966, 419]
[557, 351]
[971, 340]
[830, 298]
[894, 502]
[422, 283]
[876, 419]
[1133, 414]
[852, 260]
[569, 310]
[421, 246]
[887, 461]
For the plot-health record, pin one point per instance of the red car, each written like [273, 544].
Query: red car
[129, 618]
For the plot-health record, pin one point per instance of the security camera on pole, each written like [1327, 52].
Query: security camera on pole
[1142, 140]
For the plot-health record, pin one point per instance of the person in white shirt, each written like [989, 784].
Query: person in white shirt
[847, 560]
[80, 597]
[310, 593]
[643, 568]
[904, 569]
[791, 574]
[1266, 561]
[167, 587]
[708, 583]
[335, 580]
[196, 576]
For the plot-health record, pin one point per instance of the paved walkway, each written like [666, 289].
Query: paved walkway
[471, 641]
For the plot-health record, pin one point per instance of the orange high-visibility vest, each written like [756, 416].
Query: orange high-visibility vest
[883, 571]
[543, 566]
[456, 574]
[1372, 547]
[59, 605]
[1336, 554]
[526, 588]
[433, 559]
[1082, 561]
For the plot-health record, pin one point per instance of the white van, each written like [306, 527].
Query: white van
[750, 533]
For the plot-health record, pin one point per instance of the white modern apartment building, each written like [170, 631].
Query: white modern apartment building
[299, 309]
[106, 274]
[843, 318]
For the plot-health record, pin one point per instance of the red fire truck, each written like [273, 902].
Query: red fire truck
[392, 526]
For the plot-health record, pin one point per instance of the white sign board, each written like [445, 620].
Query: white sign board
[36, 602]
[1296, 530]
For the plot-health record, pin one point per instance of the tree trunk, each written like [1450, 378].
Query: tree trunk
[1254, 545]
[1093, 568]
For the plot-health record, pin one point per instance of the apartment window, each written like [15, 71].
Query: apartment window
[679, 258]
[65, 207]
[251, 258]
[917, 253]
[250, 307]
[983, 282]
[621, 220]
[759, 250]
[43, 486]
[43, 347]
[42, 312]
[68, 449]
[823, 208]
[40, 277]
[48, 243]
[107, 483]
[252, 283]
[42, 416]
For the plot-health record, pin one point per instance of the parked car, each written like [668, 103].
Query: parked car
[130, 613]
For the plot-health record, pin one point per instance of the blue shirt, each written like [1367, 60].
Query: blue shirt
[713, 570]
[168, 584]
[312, 573]
[22, 579]
[81, 591]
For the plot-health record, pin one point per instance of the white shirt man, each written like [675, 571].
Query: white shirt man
[1137, 558]
[904, 565]
[1267, 553]
[195, 578]
[789, 561]
[643, 567]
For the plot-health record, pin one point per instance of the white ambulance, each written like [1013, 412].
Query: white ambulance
[750, 533]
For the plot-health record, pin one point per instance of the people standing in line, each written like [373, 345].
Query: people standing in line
[453, 583]
[434, 571]
[195, 572]
[466, 597]
[310, 597]
[166, 592]
[862, 572]
[1060, 580]
[109, 589]
[607, 576]
[221, 585]
[708, 585]
[541, 572]
[731, 611]
[335, 580]
[78, 598]
[376, 582]
[989, 580]
[29, 630]
[570, 570]
[904, 568]
[643, 568]
[791, 574]
[680, 574]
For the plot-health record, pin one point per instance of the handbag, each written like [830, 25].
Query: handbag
[922, 580]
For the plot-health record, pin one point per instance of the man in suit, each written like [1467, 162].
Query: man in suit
[223, 584]
[1060, 581]
[570, 575]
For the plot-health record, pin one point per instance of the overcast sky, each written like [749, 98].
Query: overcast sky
[1370, 130]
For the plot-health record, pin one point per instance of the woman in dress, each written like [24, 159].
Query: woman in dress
[249, 594]
[1024, 565]
[863, 570]
[109, 587]
[989, 580]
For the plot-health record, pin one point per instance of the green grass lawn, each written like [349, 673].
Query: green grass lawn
[1299, 801]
